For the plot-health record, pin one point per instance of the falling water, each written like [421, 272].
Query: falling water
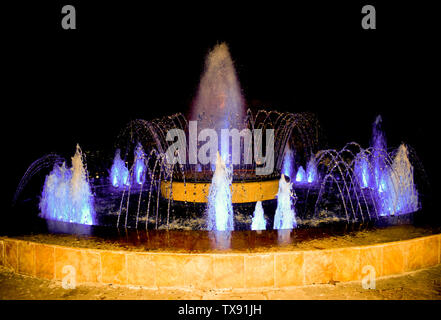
[119, 174]
[397, 193]
[379, 150]
[285, 217]
[220, 206]
[361, 170]
[66, 193]
[258, 222]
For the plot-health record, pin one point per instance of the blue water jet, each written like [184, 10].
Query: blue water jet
[220, 205]
[379, 152]
[301, 175]
[285, 217]
[66, 194]
[119, 174]
[361, 170]
[258, 222]
[397, 192]
[140, 168]
[311, 170]
[288, 163]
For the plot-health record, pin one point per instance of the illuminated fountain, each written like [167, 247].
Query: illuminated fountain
[219, 103]
[288, 162]
[247, 200]
[301, 175]
[285, 216]
[311, 170]
[139, 164]
[397, 193]
[119, 174]
[259, 222]
[228, 190]
[220, 207]
[66, 194]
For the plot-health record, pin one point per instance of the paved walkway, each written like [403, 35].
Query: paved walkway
[423, 284]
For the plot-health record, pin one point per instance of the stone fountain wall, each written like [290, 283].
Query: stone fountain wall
[272, 269]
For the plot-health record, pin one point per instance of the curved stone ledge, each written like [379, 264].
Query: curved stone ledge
[218, 270]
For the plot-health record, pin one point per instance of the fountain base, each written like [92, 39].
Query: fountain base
[242, 192]
[187, 260]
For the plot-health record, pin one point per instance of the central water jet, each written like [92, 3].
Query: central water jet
[219, 103]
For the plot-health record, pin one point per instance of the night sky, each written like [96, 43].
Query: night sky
[128, 61]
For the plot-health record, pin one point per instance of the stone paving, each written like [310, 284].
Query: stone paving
[422, 284]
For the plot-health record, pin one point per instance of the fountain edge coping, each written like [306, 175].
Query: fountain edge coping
[219, 270]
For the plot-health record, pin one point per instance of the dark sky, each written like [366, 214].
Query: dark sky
[128, 61]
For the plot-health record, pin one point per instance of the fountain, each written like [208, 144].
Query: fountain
[66, 194]
[139, 165]
[288, 163]
[397, 193]
[301, 175]
[247, 199]
[166, 189]
[119, 174]
[259, 222]
[311, 170]
[219, 103]
[220, 207]
[285, 217]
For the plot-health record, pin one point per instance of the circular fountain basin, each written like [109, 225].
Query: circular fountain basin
[196, 259]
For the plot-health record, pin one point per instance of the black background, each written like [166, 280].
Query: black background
[129, 60]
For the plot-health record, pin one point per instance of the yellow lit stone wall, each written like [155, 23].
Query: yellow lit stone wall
[218, 270]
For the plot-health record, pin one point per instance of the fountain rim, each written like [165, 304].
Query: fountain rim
[215, 270]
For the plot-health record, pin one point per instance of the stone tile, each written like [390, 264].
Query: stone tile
[394, 258]
[198, 271]
[26, 258]
[414, 254]
[65, 257]
[289, 269]
[86, 264]
[431, 251]
[113, 267]
[259, 270]
[372, 256]
[11, 254]
[229, 271]
[44, 261]
[346, 264]
[90, 267]
[318, 266]
[2, 253]
[170, 270]
[141, 270]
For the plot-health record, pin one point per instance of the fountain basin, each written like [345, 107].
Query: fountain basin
[267, 266]
[241, 192]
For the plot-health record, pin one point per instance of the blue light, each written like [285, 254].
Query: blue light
[301, 175]
[288, 163]
[220, 206]
[139, 164]
[66, 194]
[285, 216]
[119, 174]
[311, 170]
[258, 222]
